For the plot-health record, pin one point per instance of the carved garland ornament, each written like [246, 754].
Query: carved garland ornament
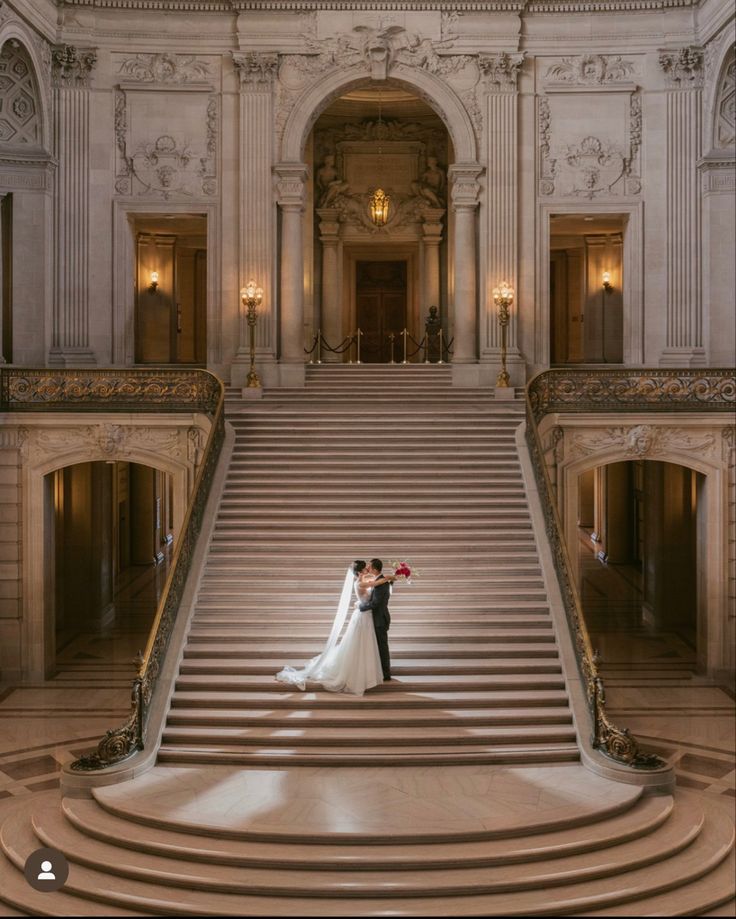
[165, 68]
[590, 69]
[641, 440]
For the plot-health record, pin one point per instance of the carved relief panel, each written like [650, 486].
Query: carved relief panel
[167, 125]
[589, 126]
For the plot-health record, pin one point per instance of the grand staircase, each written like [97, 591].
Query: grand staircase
[366, 461]
[251, 809]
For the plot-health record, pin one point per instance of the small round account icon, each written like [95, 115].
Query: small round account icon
[46, 870]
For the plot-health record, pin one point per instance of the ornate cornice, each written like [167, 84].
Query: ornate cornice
[256, 68]
[683, 67]
[71, 67]
[460, 6]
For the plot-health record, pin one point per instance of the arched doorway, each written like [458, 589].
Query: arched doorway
[379, 277]
[108, 529]
[294, 190]
[641, 548]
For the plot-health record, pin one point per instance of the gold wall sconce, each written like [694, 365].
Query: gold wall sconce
[607, 286]
[153, 286]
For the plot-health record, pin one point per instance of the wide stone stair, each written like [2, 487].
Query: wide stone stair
[455, 790]
[371, 461]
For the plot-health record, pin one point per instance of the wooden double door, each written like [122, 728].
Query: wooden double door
[381, 307]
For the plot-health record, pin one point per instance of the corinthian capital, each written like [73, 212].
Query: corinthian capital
[502, 69]
[71, 66]
[683, 67]
[291, 184]
[255, 68]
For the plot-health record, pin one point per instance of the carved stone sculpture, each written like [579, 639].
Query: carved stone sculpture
[329, 183]
[432, 185]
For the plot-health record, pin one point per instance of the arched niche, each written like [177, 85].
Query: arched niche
[24, 116]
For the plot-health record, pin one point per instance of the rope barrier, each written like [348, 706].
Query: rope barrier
[428, 343]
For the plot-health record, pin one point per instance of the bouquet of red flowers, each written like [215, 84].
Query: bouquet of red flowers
[404, 570]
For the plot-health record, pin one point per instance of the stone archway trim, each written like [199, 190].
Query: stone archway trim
[434, 91]
[171, 445]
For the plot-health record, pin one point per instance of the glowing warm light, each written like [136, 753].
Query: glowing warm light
[251, 293]
[503, 294]
[154, 282]
[379, 205]
[607, 280]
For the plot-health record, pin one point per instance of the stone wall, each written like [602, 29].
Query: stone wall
[147, 110]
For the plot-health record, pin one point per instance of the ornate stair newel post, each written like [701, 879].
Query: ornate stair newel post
[465, 190]
[291, 191]
[683, 72]
[257, 73]
[71, 70]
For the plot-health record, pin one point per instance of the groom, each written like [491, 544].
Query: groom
[378, 605]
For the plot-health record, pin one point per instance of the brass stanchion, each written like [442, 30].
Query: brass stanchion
[405, 333]
[359, 336]
[251, 297]
[319, 346]
[391, 338]
[426, 347]
[440, 361]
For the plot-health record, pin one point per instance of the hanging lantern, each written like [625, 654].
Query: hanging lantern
[379, 203]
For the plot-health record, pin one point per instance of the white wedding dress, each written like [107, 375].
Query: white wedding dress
[352, 664]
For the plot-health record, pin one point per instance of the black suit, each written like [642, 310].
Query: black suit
[378, 605]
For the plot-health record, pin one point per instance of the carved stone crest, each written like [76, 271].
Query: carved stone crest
[590, 69]
[165, 68]
[641, 440]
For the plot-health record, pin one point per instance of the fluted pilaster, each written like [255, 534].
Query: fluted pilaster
[500, 75]
[71, 70]
[684, 335]
[465, 189]
[257, 73]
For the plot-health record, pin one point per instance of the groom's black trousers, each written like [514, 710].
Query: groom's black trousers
[382, 638]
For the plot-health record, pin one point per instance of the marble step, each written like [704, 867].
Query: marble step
[400, 650]
[396, 738]
[302, 754]
[216, 666]
[369, 719]
[406, 684]
[677, 871]
[585, 833]
[323, 879]
[386, 701]
[224, 631]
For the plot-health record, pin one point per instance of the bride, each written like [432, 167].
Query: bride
[352, 664]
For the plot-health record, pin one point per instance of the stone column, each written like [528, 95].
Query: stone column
[465, 190]
[500, 79]
[291, 192]
[257, 73]
[683, 69]
[432, 238]
[331, 310]
[71, 69]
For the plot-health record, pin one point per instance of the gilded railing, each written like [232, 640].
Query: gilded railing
[609, 391]
[23, 390]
